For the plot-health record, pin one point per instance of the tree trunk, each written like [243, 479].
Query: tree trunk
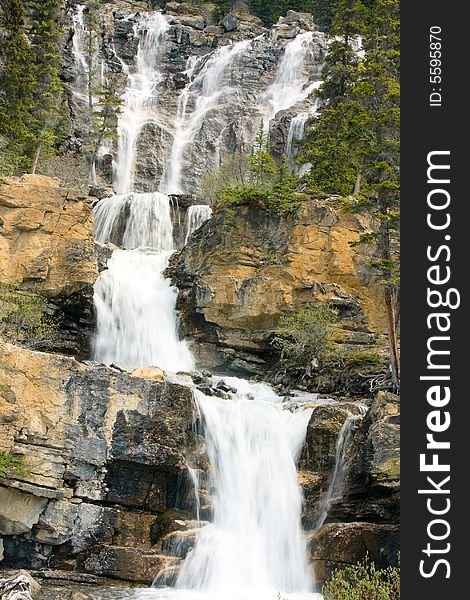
[392, 338]
[357, 184]
[36, 155]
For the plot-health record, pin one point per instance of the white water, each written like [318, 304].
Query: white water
[254, 547]
[195, 217]
[338, 476]
[205, 91]
[291, 83]
[140, 97]
[135, 304]
[85, 50]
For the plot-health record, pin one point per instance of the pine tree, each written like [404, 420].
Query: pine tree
[354, 143]
[45, 36]
[336, 139]
[262, 165]
[17, 88]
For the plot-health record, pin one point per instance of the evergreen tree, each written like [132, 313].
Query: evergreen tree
[45, 36]
[17, 88]
[354, 143]
[262, 165]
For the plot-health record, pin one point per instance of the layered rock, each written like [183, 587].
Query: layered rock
[364, 519]
[47, 247]
[247, 267]
[104, 460]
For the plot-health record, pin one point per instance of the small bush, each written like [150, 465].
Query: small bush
[12, 465]
[22, 315]
[308, 335]
[362, 359]
[363, 582]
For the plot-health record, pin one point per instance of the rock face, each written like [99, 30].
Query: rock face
[246, 267]
[47, 247]
[365, 517]
[103, 456]
[196, 32]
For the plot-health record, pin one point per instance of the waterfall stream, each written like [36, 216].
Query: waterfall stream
[254, 546]
[206, 88]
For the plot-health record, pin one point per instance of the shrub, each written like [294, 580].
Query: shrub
[308, 335]
[11, 465]
[363, 582]
[22, 315]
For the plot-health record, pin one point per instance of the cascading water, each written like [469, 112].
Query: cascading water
[291, 84]
[254, 543]
[337, 479]
[205, 91]
[90, 69]
[195, 217]
[135, 304]
[254, 547]
[140, 97]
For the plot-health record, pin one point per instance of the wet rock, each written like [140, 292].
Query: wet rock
[337, 545]
[126, 563]
[230, 22]
[90, 436]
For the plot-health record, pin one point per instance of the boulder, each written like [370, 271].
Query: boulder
[19, 511]
[151, 373]
[337, 545]
[229, 22]
[126, 563]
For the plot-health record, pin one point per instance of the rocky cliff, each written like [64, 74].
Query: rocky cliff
[47, 248]
[246, 267]
[104, 464]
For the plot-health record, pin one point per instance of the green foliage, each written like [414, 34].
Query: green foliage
[363, 582]
[353, 145]
[308, 335]
[32, 100]
[22, 316]
[270, 256]
[362, 359]
[12, 465]
[259, 181]
[17, 89]
[234, 172]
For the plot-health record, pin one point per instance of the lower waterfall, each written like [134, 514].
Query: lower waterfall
[254, 543]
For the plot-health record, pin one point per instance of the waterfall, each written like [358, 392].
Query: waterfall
[205, 91]
[195, 217]
[78, 44]
[254, 546]
[140, 96]
[135, 304]
[291, 83]
[90, 69]
[337, 479]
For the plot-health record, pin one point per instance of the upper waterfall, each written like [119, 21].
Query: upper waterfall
[291, 84]
[140, 97]
[135, 304]
[208, 85]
